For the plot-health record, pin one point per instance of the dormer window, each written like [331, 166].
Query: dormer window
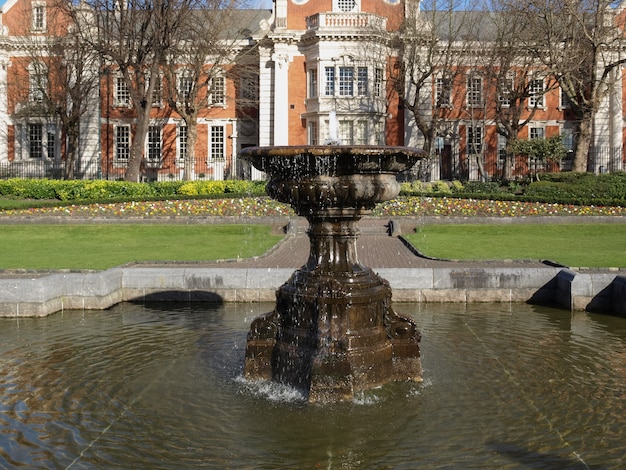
[39, 16]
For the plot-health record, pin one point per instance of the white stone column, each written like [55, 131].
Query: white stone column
[88, 164]
[266, 97]
[281, 98]
[617, 113]
[4, 116]
[235, 149]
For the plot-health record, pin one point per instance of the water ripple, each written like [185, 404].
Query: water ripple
[505, 386]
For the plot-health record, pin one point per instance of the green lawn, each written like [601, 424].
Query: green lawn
[101, 246]
[589, 245]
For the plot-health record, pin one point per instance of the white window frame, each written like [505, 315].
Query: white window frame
[329, 81]
[567, 136]
[121, 92]
[474, 91]
[475, 140]
[443, 91]
[217, 143]
[117, 130]
[217, 91]
[536, 91]
[361, 136]
[157, 93]
[505, 90]
[346, 81]
[312, 127]
[501, 150]
[379, 81]
[565, 102]
[346, 131]
[39, 17]
[184, 86]
[362, 81]
[181, 143]
[379, 132]
[154, 145]
[312, 83]
[536, 132]
[49, 142]
[39, 155]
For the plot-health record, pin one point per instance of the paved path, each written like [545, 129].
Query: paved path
[375, 249]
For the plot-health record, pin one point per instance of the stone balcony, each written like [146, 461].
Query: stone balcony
[331, 21]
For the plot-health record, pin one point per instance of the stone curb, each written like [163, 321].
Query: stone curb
[41, 296]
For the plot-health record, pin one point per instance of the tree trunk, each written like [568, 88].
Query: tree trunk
[481, 168]
[583, 144]
[134, 168]
[70, 156]
[190, 158]
[509, 161]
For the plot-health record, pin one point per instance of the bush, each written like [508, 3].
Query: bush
[29, 189]
[441, 187]
[102, 190]
[582, 188]
[481, 187]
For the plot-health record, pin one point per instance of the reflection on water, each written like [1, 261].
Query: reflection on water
[506, 386]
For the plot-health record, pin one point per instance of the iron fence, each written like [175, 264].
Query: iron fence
[488, 166]
[35, 169]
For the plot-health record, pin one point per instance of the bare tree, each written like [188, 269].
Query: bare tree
[580, 43]
[198, 63]
[517, 81]
[74, 81]
[424, 53]
[433, 63]
[134, 36]
[63, 76]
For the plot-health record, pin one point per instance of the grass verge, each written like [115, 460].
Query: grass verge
[588, 245]
[33, 246]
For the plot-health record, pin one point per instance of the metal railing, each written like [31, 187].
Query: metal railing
[450, 166]
[36, 169]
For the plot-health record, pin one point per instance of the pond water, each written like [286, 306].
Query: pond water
[159, 386]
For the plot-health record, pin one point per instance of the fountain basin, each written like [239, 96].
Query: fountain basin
[158, 385]
[333, 332]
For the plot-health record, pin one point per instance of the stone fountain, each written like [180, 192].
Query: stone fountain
[333, 331]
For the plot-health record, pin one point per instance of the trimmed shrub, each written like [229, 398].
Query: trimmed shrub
[481, 187]
[441, 187]
[579, 187]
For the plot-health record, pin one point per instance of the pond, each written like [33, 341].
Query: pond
[160, 386]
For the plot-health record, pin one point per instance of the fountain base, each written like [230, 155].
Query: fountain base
[333, 336]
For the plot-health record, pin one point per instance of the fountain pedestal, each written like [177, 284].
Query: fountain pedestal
[333, 331]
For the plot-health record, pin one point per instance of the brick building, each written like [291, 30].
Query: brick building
[321, 68]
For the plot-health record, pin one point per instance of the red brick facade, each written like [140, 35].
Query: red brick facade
[316, 59]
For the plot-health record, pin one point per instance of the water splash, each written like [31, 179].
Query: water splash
[272, 391]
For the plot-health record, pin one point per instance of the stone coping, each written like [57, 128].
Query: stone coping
[47, 293]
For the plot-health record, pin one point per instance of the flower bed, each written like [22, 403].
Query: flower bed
[265, 207]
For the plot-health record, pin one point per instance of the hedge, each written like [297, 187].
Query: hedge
[99, 190]
[565, 187]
